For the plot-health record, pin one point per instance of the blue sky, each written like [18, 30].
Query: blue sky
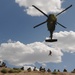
[16, 33]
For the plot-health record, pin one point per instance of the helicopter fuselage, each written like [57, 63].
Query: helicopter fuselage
[51, 22]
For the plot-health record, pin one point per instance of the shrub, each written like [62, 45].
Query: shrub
[54, 72]
[48, 70]
[14, 71]
[42, 69]
[22, 68]
[29, 69]
[58, 70]
[34, 69]
[17, 71]
[64, 70]
[16, 68]
[3, 64]
[4, 70]
[73, 71]
[11, 71]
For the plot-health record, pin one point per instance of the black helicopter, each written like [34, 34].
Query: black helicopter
[51, 22]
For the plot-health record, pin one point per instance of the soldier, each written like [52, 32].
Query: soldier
[50, 52]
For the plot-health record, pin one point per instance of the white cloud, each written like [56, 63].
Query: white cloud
[44, 65]
[45, 5]
[14, 52]
[19, 54]
[66, 41]
[26, 67]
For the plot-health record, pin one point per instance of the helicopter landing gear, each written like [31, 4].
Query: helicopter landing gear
[50, 40]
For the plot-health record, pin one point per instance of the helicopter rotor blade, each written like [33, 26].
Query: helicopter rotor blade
[64, 10]
[40, 10]
[40, 24]
[61, 25]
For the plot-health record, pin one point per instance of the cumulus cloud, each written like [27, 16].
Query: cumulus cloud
[19, 54]
[26, 67]
[47, 6]
[66, 40]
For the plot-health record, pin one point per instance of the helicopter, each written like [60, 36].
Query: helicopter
[51, 22]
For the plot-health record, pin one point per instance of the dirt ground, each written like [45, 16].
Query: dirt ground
[34, 73]
[37, 73]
